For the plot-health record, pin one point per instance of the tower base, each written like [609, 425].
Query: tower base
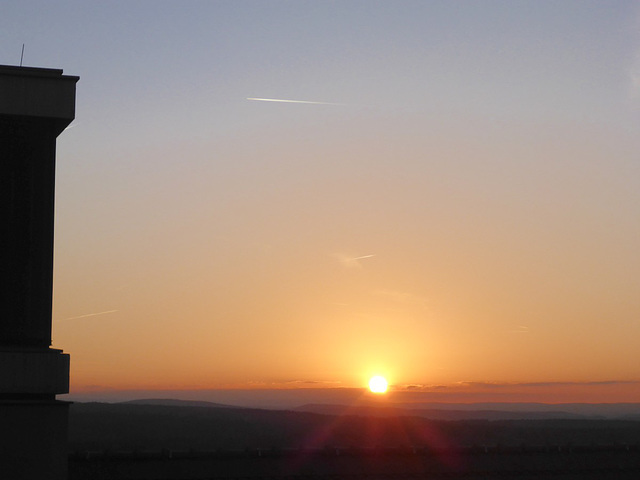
[33, 439]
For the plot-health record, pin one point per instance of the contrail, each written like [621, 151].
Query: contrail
[91, 314]
[293, 101]
[352, 261]
[364, 256]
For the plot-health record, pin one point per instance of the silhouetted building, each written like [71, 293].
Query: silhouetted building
[36, 105]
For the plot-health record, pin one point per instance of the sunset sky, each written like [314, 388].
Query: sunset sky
[456, 207]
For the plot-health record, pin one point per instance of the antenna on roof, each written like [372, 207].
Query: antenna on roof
[22, 54]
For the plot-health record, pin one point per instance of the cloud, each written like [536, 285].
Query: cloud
[293, 384]
[351, 261]
[546, 384]
[311, 382]
[465, 386]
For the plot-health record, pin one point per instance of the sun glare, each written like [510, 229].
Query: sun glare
[378, 384]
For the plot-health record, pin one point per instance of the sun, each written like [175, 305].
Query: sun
[378, 384]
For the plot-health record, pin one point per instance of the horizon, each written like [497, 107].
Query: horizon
[461, 395]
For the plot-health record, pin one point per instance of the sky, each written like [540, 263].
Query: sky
[456, 207]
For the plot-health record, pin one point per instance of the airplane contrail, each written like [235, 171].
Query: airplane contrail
[91, 314]
[364, 256]
[293, 101]
[351, 262]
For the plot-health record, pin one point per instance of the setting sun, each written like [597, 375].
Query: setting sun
[378, 384]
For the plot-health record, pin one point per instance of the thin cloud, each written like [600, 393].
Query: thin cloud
[310, 382]
[546, 384]
[352, 262]
[507, 385]
[282, 100]
[86, 315]
[365, 256]
[285, 384]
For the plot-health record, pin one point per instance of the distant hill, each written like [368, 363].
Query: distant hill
[594, 410]
[170, 402]
[144, 427]
[443, 411]
[439, 414]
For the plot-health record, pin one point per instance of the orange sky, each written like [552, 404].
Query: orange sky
[462, 211]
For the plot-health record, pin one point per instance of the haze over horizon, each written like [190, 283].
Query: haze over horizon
[271, 195]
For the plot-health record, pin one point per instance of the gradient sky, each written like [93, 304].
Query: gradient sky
[465, 209]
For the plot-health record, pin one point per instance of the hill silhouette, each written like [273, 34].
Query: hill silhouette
[133, 426]
[176, 403]
[439, 414]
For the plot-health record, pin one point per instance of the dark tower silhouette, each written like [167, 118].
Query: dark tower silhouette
[36, 105]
